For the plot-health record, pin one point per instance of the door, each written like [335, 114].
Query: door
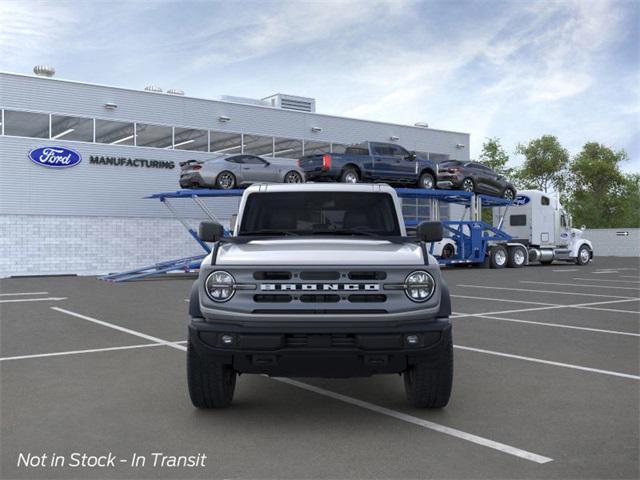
[564, 238]
[255, 169]
[486, 179]
[383, 161]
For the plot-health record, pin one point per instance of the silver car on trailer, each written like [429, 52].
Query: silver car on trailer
[238, 170]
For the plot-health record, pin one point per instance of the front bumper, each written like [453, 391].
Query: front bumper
[298, 350]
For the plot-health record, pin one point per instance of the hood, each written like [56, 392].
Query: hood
[319, 251]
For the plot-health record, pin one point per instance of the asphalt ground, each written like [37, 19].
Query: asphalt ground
[546, 386]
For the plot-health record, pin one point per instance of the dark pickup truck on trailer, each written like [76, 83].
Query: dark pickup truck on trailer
[372, 162]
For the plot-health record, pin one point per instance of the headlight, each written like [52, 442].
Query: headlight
[419, 286]
[220, 286]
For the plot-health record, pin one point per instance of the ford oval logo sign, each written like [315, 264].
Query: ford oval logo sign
[521, 200]
[55, 157]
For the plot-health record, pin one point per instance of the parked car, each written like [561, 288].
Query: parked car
[372, 162]
[232, 171]
[474, 177]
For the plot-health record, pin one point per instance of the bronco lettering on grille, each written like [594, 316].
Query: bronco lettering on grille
[314, 287]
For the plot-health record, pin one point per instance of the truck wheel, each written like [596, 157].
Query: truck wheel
[226, 180]
[517, 257]
[499, 256]
[428, 385]
[468, 185]
[427, 181]
[584, 255]
[211, 384]
[349, 175]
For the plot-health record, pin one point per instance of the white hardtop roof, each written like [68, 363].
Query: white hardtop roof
[320, 187]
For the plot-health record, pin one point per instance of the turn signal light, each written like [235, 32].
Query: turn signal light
[326, 161]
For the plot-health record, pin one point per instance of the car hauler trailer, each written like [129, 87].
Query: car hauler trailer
[538, 221]
[469, 241]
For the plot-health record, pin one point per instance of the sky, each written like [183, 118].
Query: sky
[515, 70]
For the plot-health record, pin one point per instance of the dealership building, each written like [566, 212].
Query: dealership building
[93, 217]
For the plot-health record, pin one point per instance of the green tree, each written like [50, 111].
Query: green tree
[494, 156]
[545, 164]
[600, 195]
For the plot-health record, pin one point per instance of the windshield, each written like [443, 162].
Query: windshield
[318, 213]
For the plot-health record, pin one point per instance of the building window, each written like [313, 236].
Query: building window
[71, 128]
[156, 136]
[287, 148]
[313, 148]
[190, 139]
[258, 145]
[26, 124]
[114, 133]
[225, 143]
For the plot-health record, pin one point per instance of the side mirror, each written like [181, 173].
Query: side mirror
[429, 232]
[411, 156]
[232, 222]
[210, 231]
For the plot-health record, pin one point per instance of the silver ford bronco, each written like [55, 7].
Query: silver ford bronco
[320, 280]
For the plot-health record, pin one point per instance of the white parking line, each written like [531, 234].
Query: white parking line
[628, 276]
[92, 350]
[581, 285]
[23, 293]
[546, 324]
[567, 270]
[604, 280]
[549, 362]
[528, 290]
[121, 329]
[398, 415]
[502, 300]
[551, 307]
[485, 442]
[47, 299]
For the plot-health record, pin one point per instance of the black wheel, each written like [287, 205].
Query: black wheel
[211, 384]
[226, 180]
[584, 255]
[517, 257]
[428, 385]
[293, 177]
[448, 251]
[498, 256]
[509, 194]
[468, 185]
[349, 175]
[427, 181]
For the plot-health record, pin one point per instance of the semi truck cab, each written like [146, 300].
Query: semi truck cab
[539, 221]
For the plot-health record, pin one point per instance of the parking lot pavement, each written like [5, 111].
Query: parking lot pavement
[546, 386]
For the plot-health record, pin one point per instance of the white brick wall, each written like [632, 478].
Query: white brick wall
[612, 241]
[46, 245]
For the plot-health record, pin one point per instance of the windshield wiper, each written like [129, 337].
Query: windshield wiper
[348, 231]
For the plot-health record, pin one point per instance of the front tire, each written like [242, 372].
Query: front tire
[293, 177]
[225, 180]
[349, 175]
[427, 181]
[211, 384]
[428, 385]
[584, 255]
[509, 194]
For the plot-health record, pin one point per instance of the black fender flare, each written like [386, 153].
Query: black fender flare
[445, 301]
[194, 301]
